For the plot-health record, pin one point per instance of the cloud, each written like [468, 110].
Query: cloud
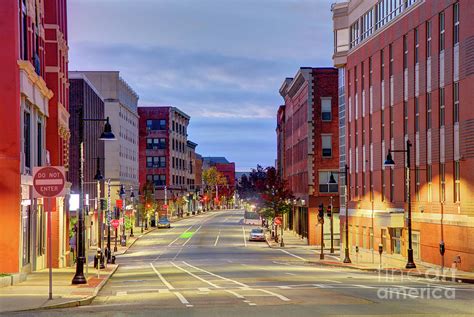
[222, 62]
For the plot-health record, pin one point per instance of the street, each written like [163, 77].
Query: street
[205, 266]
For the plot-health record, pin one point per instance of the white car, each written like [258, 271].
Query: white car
[257, 235]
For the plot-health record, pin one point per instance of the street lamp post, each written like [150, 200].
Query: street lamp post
[132, 199]
[109, 218]
[123, 238]
[106, 135]
[332, 226]
[390, 163]
[347, 258]
[98, 177]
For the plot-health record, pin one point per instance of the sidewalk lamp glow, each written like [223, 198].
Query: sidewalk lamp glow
[73, 202]
[389, 162]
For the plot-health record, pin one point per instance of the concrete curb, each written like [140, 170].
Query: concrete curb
[84, 301]
[396, 271]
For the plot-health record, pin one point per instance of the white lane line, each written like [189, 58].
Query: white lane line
[243, 234]
[322, 286]
[283, 298]
[334, 281]
[290, 273]
[234, 293]
[195, 276]
[122, 293]
[252, 304]
[293, 255]
[163, 291]
[181, 298]
[162, 278]
[217, 238]
[203, 289]
[216, 275]
[192, 236]
[171, 243]
[284, 287]
[177, 254]
[362, 286]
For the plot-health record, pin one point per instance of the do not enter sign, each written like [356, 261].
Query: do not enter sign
[115, 223]
[48, 181]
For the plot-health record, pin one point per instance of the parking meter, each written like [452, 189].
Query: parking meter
[357, 249]
[380, 248]
[442, 248]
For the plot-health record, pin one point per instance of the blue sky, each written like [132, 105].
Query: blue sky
[220, 61]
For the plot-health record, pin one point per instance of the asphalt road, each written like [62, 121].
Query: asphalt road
[205, 266]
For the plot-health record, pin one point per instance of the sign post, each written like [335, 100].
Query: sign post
[48, 182]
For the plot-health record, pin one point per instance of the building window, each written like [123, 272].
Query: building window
[383, 185]
[417, 184]
[326, 109]
[456, 102]
[325, 186]
[441, 108]
[405, 52]
[155, 161]
[428, 110]
[457, 182]
[27, 138]
[382, 65]
[158, 179]
[396, 234]
[416, 46]
[154, 125]
[456, 23]
[326, 145]
[382, 125]
[40, 144]
[415, 242]
[429, 180]
[428, 39]
[155, 143]
[364, 237]
[441, 31]
[390, 64]
[405, 117]
[417, 115]
[442, 178]
[371, 238]
[24, 32]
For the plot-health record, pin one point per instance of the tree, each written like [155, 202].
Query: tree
[276, 196]
[148, 205]
[212, 178]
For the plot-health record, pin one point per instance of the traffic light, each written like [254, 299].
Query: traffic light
[103, 204]
[329, 211]
[321, 211]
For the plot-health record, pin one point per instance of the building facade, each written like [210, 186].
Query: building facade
[121, 107]
[310, 145]
[86, 102]
[406, 76]
[29, 109]
[227, 169]
[163, 152]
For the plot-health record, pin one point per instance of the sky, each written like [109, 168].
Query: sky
[220, 61]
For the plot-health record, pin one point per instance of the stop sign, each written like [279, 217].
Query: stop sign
[48, 181]
[115, 223]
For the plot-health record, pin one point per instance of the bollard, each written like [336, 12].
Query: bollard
[380, 255]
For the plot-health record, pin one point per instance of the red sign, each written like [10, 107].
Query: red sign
[115, 223]
[119, 203]
[278, 220]
[48, 181]
[165, 206]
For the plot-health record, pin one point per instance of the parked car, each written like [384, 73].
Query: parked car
[257, 234]
[163, 222]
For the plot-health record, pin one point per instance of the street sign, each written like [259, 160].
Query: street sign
[115, 223]
[165, 206]
[119, 203]
[278, 220]
[48, 181]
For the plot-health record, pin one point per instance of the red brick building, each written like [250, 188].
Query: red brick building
[310, 143]
[29, 110]
[227, 169]
[163, 151]
[406, 75]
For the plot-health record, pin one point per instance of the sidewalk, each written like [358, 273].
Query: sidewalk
[370, 261]
[33, 293]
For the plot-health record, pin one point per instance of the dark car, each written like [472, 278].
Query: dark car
[163, 222]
